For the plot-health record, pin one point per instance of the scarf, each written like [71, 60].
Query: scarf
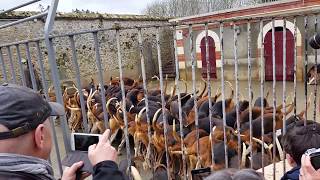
[26, 164]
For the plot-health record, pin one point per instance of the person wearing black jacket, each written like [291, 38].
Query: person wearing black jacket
[25, 139]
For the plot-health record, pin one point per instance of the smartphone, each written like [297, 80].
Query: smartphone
[82, 141]
[199, 174]
[315, 160]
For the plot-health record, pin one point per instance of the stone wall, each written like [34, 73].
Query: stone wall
[75, 22]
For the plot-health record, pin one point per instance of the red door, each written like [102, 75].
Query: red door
[279, 56]
[212, 57]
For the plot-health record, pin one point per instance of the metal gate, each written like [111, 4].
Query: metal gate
[177, 132]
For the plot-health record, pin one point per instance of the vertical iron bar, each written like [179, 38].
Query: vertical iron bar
[163, 102]
[58, 92]
[236, 77]
[262, 76]
[103, 93]
[31, 68]
[316, 70]
[306, 62]
[222, 86]
[23, 78]
[179, 101]
[14, 79]
[195, 97]
[145, 91]
[45, 89]
[250, 88]
[274, 96]
[284, 78]
[295, 67]
[76, 66]
[209, 89]
[54, 70]
[4, 71]
[123, 93]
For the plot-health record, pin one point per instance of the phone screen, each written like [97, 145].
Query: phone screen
[315, 160]
[199, 174]
[82, 142]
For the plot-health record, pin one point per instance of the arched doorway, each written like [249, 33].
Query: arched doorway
[279, 55]
[212, 57]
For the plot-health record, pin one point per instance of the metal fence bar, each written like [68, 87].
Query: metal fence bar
[45, 89]
[316, 70]
[250, 88]
[24, 20]
[274, 97]
[262, 80]
[14, 79]
[54, 70]
[236, 77]
[165, 120]
[256, 18]
[57, 88]
[31, 68]
[145, 91]
[295, 67]
[19, 6]
[4, 71]
[223, 93]
[306, 61]
[284, 77]
[23, 78]
[76, 66]
[179, 102]
[195, 97]
[98, 63]
[124, 110]
[209, 90]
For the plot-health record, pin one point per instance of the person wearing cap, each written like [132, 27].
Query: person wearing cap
[25, 139]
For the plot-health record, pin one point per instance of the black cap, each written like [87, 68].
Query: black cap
[23, 109]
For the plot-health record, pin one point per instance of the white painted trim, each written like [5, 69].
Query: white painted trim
[180, 50]
[199, 64]
[279, 23]
[218, 63]
[179, 34]
[182, 65]
[211, 34]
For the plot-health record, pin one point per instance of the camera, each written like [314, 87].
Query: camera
[314, 41]
[314, 155]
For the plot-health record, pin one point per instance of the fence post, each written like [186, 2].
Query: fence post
[54, 69]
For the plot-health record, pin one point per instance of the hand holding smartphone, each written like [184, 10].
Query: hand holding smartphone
[80, 143]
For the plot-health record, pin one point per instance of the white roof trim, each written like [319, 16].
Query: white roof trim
[230, 10]
[273, 13]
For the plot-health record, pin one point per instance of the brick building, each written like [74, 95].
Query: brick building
[276, 9]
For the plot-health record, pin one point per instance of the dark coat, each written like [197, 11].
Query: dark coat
[293, 174]
[103, 170]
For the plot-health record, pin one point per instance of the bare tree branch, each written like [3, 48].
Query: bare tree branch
[179, 8]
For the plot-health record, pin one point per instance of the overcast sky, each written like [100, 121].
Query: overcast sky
[103, 6]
